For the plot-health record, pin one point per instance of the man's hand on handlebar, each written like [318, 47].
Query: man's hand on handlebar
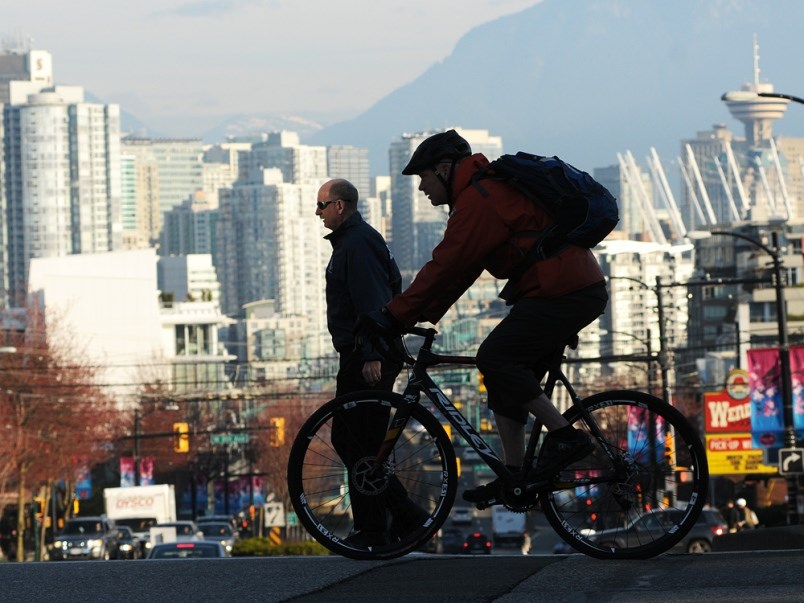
[377, 330]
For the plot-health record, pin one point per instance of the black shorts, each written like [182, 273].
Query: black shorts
[534, 331]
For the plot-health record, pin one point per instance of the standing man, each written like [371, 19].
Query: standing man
[747, 517]
[362, 275]
[491, 226]
[731, 515]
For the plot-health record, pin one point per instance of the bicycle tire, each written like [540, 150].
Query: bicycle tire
[322, 487]
[631, 508]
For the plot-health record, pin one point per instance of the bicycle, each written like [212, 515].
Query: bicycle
[635, 496]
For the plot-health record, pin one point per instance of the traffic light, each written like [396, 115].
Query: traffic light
[276, 436]
[481, 382]
[39, 507]
[181, 439]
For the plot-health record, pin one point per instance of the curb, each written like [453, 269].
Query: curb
[761, 539]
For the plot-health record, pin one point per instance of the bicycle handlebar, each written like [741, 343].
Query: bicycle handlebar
[427, 356]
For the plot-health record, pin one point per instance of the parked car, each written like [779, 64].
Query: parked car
[450, 541]
[230, 519]
[219, 532]
[128, 546]
[698, 540]
[462, 515]
[477, 543]
[85, 538]
[201, 549]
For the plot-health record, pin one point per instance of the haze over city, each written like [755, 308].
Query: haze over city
[585, 80]
[183, 66]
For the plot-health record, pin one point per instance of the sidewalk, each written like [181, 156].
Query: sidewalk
[762, 539]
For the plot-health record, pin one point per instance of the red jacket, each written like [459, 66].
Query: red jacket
[481, 234]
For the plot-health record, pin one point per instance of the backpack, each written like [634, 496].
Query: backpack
[583, 210]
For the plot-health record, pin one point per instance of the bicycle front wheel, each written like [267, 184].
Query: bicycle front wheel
[641, 490]
[361, 509]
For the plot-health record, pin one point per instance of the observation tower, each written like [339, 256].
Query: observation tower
[757, 113]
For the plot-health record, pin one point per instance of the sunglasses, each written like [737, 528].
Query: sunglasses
[322, 205]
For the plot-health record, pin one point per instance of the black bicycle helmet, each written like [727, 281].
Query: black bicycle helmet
[444, 145]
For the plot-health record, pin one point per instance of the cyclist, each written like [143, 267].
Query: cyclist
[550, 303]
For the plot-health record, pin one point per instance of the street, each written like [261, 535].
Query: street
[742, 576]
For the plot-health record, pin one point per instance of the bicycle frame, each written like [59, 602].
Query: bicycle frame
[420, 382]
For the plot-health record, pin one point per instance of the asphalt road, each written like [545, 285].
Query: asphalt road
[739, 576]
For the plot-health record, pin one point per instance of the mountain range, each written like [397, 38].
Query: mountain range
[584, 80]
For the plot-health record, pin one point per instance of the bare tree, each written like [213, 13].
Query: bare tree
[55, 416]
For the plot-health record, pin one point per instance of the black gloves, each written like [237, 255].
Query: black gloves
[376, 331]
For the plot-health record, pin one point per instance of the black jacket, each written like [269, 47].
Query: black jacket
[362, 275]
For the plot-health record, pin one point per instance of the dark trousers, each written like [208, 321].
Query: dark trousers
[358, 433]
[535, 331]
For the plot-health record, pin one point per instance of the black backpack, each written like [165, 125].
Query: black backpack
[583, 211]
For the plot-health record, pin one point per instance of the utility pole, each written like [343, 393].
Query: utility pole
[137, 446]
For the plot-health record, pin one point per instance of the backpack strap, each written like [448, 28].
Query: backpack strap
[548, 244]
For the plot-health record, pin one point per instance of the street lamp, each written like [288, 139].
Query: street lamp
[663, 354]
[748, 95]
[784, 355]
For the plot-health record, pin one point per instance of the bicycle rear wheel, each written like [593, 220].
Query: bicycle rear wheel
[641, 497]
[354, 510]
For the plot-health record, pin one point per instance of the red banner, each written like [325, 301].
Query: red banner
[147, 471]
[127, 471]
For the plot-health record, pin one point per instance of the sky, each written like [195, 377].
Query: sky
[176, 63]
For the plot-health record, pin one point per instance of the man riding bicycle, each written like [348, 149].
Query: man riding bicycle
[492, 228]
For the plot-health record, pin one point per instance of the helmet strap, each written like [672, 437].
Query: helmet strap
[447, 182]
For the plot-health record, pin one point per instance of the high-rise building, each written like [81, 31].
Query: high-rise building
[25, 71]
[271, 247]
[62, 171]
[629, 325]
[190, 228]
[352, 164]
[299, 164]
[221, 168]
[417, 226]
[165, 172]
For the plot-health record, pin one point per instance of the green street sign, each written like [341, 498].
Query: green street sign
[228, 438]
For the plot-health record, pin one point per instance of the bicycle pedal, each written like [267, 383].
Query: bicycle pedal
[487, 503]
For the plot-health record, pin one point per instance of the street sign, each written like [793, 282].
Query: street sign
[292, 519]
[274, 514]
[228, 438]
[791, 461]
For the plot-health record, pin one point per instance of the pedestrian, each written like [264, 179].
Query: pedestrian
[492, 228]
[732, 516]
[526, 543]
[748, 519]
[361, 275]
